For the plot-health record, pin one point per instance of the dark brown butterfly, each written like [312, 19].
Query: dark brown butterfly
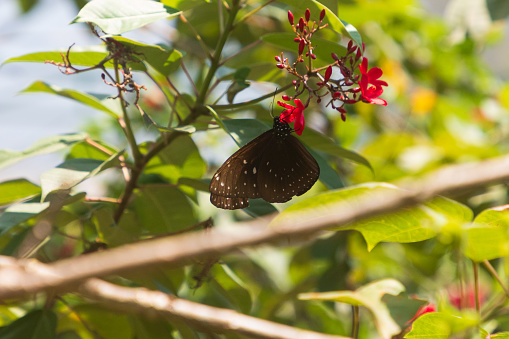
[275, 166]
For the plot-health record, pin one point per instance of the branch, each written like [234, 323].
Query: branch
[198, 316]
[24, 277]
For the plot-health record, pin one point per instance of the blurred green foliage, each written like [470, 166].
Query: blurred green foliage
[446, 105]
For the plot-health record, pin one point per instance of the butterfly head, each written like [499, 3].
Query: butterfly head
[281, 129]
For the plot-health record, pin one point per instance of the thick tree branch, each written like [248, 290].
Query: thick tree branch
[198, 316]
[24, 277]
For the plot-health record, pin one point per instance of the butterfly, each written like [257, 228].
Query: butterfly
[274, 166]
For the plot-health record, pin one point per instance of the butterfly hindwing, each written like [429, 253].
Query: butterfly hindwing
[288, 171]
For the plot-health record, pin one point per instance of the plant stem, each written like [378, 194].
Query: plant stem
[476, 287]
[355, 321]
[217, 54]
[125, 122]
[494, 273]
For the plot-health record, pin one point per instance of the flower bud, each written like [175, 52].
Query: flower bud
[281, 66]
[358, 54]
[334, 56]
[343, 116]
[278, 59]
[296, 40]
[290, 17]
[336, 95]
[313, 56]
[302, 44]
[322, 14]
[307, 14]
[286, 98]
[301, 24]
[328, 73]
[350, 44]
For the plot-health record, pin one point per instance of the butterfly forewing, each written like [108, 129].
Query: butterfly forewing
[274, 166]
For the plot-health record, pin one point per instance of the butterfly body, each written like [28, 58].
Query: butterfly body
[275, 166]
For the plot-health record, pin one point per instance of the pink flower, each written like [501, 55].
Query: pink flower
[291, 114]
[370, 94]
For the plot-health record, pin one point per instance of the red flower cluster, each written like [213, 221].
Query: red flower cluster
[342, 87]
[370, 94]
[292, 113]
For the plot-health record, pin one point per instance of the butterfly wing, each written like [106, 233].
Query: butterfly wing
[286, 171]
[236, 179]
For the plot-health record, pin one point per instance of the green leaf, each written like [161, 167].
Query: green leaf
[40, 324]
[243, 131]
[43, 146]
[239, 83]
[85, 150]
[184, 5]
[163, 209]
[369, 296]
[88, 56]
[72, 172]
[182, 159]
[439, 325]
[13, 190]
[499, 335]
[115, 235]
[488, 237]
[259, 208]
[323, 53]
[119, 16]
[408, 225]
[107, 324]
[81, 97]
[162, 59]
[197, 184]
[325, 144]
[328, 176]
[19, 213]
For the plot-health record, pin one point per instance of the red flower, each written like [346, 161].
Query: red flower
[291, 114]
[423, 310]
[370, 94]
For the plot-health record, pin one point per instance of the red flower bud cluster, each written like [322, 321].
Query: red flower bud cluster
[338, 81]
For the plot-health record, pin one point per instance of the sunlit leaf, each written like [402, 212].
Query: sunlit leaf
[119, 16]
[43, 146]
[408, 225]
[88, 56]
[81, 97]
[438, 325]
[72, 172]
[368, 296]
[488, 237]
[13, 190]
